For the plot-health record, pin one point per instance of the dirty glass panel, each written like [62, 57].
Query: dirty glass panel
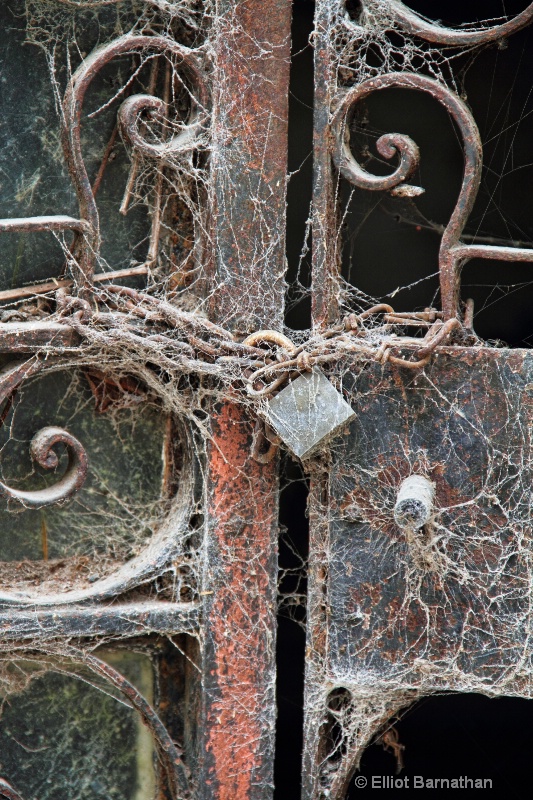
[119, 505]
[68, 737]
[41, 44]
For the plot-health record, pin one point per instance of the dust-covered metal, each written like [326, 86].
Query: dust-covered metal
[249, 180]
[34, 224]
[86, 252]
[124, 620]
[420, 517]
[443, 609]
[414, 503]
[42, 451]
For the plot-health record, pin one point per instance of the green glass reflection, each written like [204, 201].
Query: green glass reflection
[119, 506]
[64, 737]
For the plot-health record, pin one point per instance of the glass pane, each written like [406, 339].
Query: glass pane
[117, 509]
[64, 737]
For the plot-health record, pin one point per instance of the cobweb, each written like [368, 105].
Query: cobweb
[146, 354]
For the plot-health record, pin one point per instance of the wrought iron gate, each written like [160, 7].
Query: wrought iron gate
[420, 503]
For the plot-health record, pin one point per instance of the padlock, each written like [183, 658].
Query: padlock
[308, 413]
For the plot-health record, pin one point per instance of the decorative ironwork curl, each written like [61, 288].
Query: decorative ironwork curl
[42, 451]
[128, 116]
[71, 133]
[416, 25]
[453, 253]
[164, 547]
[42, 448]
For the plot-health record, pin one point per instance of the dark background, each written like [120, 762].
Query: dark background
[391, 244]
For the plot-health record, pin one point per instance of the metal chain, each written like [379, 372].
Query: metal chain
[266, 359]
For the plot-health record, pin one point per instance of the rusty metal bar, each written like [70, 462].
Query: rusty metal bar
[53, 285]
[121, 619]
[326, 264]
[248, 163]
[34, 224]
[28, 337]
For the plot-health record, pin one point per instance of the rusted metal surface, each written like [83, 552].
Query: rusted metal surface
[389, 619]
[163, 549]
[249, 162]
[42, 448]
[31, 619]
[248, 171]
[71, 135]
[28, 337]
[43, 453]
[404, 611]
[240, 615]
[397, 616]
[53, 285]
[478, 401]
[326, 252]
[32, 224]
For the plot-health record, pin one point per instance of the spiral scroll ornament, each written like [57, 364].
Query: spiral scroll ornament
[186, 60]
[86, 243]
[43, 452]
[453, 253]
[129, 115]
[42, 447]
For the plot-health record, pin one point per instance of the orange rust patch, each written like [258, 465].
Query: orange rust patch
[243, 507]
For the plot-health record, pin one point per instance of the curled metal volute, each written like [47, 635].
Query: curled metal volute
[128, 117]
[42, 451]
[388, 145]
[412, 23]
[449, 264]
[7, 791]
[72, 113]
